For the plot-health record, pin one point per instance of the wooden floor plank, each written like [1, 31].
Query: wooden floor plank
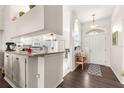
[81, 79]
[3, 83]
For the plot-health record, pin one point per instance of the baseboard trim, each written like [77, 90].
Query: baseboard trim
[74, 68]
[59, 83]
[7, 80]
[64, 74]
[97, 64]
[116, 74]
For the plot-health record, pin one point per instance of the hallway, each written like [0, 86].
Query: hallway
[81, 79]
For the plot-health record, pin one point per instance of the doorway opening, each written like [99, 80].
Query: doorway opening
[95, 48]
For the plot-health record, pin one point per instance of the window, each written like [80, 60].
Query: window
[77, 34]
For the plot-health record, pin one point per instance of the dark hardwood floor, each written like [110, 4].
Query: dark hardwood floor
[3, 83]
[81, 79]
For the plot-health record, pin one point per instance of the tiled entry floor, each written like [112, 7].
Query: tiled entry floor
[81, 79]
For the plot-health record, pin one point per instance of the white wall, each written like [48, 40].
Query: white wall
[73, 18]
[8, 27]
[117, 52]
[106, 24]
[69, 18]
[66, 26]
[0, 40]
[66, 38]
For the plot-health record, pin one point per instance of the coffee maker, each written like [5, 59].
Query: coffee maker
[10, 46]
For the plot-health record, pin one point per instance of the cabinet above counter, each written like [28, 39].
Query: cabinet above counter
[40, 19]
[30, 22]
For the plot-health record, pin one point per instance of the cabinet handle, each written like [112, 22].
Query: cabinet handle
[37, 75]
[17, 58]
[25, 74]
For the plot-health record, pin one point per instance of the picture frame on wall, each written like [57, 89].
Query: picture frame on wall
[115, 38]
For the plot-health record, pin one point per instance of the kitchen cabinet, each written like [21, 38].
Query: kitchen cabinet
[2, 20]
[31, 21]
[40, 19]
[15, 69]
[34, 71]
[53, 19]
[1, 59]
[19, 68]
[20, 71]
[8, 65]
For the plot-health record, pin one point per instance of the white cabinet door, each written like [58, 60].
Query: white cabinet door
[2, 20]
[8, 65]
[53, 19]
[30, 22]
[19, 66]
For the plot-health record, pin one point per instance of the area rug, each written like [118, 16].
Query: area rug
[94, 69]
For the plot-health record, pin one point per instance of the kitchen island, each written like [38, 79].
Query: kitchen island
[35, 70]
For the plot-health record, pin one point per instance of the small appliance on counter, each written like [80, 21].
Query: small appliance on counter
[10, 46]
[36, 49]
[42, 49]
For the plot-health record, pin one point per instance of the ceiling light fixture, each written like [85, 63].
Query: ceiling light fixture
[94, 27]
[93, 24]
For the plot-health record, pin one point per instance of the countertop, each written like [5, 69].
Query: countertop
[33, 54]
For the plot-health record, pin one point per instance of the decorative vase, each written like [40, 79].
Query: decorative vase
[31, 6]
[21, 13]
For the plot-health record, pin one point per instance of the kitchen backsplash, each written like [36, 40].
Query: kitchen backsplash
[53, 42]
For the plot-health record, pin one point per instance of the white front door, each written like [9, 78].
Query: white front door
[95, 48]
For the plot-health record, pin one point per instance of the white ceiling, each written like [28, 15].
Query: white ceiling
[84, 12]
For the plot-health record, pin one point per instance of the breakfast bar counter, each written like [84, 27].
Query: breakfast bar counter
[35, 70]
[33, 54]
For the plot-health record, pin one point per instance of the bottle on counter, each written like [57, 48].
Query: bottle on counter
[29, 50]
